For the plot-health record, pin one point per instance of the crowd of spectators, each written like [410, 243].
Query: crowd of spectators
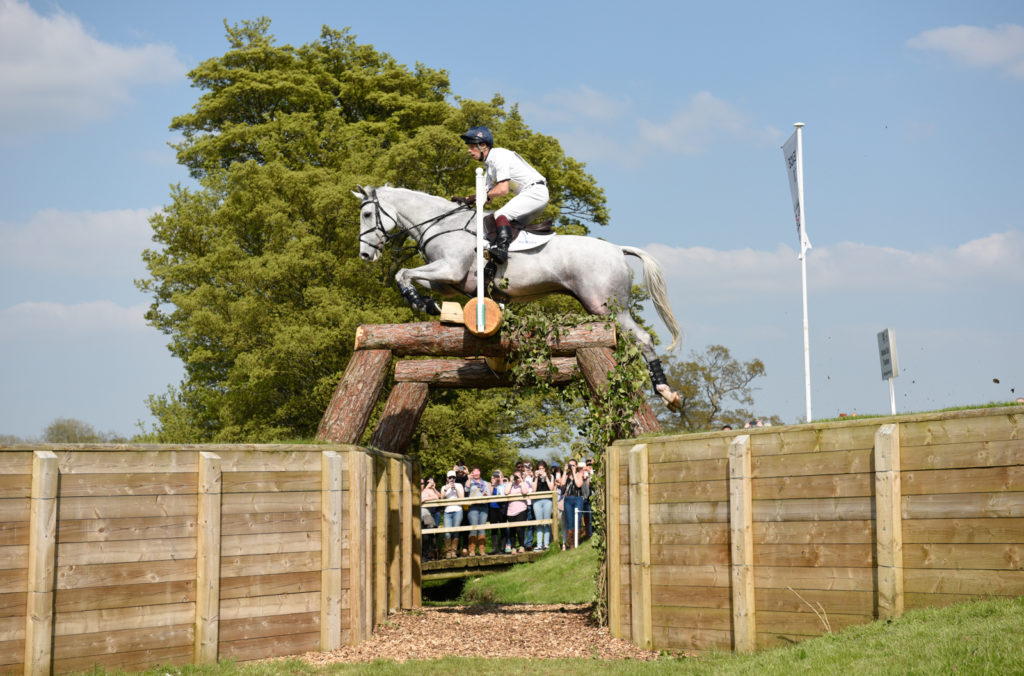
[536, 488]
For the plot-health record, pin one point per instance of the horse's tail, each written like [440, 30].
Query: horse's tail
[655, 283]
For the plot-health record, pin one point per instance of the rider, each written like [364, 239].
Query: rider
[506, 171]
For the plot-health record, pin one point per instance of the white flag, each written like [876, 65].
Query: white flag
[793, 154]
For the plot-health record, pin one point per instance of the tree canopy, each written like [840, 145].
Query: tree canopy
[255, 274]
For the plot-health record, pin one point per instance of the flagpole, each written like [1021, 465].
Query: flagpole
[803, 265]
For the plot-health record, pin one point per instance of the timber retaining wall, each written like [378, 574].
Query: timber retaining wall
[762, 537]
[132, 556]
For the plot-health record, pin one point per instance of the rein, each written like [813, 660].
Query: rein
[420, 245]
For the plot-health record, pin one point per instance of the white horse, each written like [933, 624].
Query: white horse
[591, 270]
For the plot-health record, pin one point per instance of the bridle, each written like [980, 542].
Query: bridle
[385, 236]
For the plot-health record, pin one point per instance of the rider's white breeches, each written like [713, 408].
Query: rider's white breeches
[527, 205]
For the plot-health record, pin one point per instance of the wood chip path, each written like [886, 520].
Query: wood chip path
[534, 631]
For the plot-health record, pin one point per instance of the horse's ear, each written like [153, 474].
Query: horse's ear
[361, 195]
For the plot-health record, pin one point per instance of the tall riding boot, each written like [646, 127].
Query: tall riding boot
[499, 250]
[570, 539]
[450, 546]
[472, 545]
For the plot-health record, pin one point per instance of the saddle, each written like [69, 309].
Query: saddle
[491, 269]
[540, 227]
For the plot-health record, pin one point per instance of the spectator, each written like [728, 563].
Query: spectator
[462, 478]
[543, 485]
[430, 515]
[496, 512]
[517, 513]
[477, 488]
[558, 476]
[575, 482]
[528, 480]
[588, 513]
[452, 514]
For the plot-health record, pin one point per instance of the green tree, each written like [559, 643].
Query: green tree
[74, 431]
[708, 384]
[255, 275]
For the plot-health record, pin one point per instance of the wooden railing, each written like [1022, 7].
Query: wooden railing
[487, 499]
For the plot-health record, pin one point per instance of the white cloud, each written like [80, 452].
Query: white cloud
[97, 243]
[999, 47]
[101, 316]
[731, 276]
[54, 73]
[566, 105]
[705, 120]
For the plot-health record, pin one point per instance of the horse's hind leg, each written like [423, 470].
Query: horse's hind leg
[658, 380]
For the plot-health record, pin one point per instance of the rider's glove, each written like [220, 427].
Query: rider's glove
[466, 201]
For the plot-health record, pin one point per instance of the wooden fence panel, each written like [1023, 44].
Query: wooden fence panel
[850, 521]
[127, 557]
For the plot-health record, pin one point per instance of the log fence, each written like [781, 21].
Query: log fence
[756, 538]
[127, 556]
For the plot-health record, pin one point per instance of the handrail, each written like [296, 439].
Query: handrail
[552, 495]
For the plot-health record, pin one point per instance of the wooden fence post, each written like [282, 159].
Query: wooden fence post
[207, 623]
[612, 544]
[888, 522]
[394, 534]
[640, 548]
[42, 553]
[741, 546]
[356, 546]
[380, 540]
[330, 550]
[416, 556]
[407, 518]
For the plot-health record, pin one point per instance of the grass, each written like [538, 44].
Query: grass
[982, 637]
[558, 577]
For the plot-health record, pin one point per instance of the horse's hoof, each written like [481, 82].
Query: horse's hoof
[670, 397]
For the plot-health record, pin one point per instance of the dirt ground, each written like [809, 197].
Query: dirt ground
[488, 631]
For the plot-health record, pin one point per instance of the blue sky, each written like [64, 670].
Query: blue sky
[912, 153]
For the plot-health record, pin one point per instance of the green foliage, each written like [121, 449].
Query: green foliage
[74, 431]
[708, 384]
[255, 275]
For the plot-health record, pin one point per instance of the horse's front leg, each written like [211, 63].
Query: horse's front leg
[436, 275]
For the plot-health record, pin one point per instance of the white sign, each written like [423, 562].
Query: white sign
[887, 354]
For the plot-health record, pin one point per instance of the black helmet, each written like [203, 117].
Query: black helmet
[479, 135]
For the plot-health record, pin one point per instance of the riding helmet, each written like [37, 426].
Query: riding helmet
[479, 135]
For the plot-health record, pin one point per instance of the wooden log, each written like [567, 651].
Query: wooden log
[208, 561]
[402, 412]
[42, 547]
[639, 549]
[474, 373]
[353, 401]
[741, 546]
[438, 340]
[595, 363]
[330, 552]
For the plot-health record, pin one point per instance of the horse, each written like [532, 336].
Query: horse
[591, 270]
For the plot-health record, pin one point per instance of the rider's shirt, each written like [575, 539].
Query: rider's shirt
[507, 165]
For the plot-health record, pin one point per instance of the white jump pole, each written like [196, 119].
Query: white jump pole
[481, 199]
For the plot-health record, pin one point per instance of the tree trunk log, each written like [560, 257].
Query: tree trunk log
[401, 415]
[353, 401]
[438, 340]
[472, 372]
[595, 363]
